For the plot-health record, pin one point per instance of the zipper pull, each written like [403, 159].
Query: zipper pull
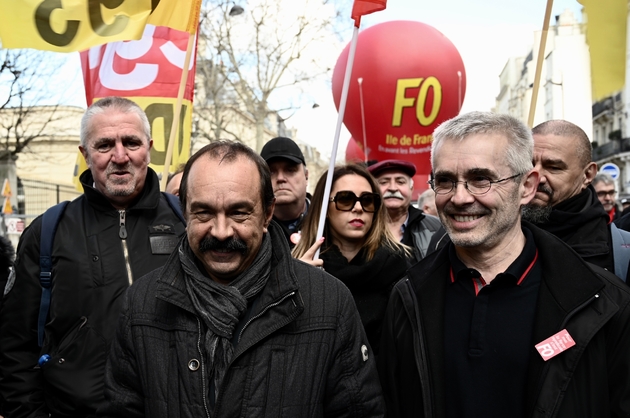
[122, 233]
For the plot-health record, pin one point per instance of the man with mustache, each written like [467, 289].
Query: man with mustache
[233, 325]
[410, 225]
[566, 204]
[121, 228]
[505, 320]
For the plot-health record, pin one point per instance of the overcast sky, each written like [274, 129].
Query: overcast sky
[485, 32]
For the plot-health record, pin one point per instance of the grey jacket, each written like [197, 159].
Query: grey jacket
[420, 228]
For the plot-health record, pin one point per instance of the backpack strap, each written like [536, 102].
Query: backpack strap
[175, 204]
[621, 250]
[50, 220]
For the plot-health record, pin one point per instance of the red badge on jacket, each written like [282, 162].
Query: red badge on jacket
[555, 345]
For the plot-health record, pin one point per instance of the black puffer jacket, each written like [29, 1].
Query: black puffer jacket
[588, 380]
[91, 268]
[299, 356]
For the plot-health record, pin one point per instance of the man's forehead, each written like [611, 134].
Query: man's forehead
[603, 186]
[108, 125]
[394, 173]
[549, 154]
[466, 172]
[558, 143]
[214, 170]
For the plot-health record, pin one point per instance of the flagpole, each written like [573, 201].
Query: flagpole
[333, 155]
[177, 113]
[365, 153]
[539, 63]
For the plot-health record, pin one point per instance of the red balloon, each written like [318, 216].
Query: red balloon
[412, 79]
[354, 152]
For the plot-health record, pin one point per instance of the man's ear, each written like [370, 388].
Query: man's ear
[85, 155]
[529, 186]
[590, 171]
[306, 173]
[269, 215]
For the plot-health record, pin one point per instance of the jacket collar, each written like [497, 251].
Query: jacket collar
[148, 199]
[415, 215]
[171, 287]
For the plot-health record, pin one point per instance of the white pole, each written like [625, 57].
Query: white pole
[333, 155]
[459, 91]
[365, 149]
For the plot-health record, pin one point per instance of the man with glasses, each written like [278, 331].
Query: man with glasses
[566, 204]
[505, 319]
[604, 186]
[408, 224]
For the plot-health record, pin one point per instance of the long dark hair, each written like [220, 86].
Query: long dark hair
[378, 235]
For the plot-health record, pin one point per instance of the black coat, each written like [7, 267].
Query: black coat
[588, 380]
[370, 283]
[90, 276]
[299, 356]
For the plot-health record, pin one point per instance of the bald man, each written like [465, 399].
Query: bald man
[566, 203]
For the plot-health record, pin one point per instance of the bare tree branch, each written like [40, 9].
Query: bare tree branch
[264, 56]
[24, 76]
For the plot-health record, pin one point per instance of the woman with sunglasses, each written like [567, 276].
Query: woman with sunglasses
[358, 248]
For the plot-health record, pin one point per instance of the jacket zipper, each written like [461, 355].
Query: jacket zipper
[122, 233]
[261, 313]
[203, 370]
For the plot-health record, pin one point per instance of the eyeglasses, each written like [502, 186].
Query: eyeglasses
[477, 186]
[603, 193]
[345, 201]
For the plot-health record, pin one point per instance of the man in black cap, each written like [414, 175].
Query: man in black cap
[413, 227]
[289, 176]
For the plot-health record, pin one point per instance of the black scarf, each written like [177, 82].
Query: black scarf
[221, 306]
[582, 223]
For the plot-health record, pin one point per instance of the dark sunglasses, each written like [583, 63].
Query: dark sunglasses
[345, 201]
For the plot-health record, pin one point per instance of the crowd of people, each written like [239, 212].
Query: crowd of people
[501, 293]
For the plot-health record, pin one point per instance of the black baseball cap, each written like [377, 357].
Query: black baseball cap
[281, 147]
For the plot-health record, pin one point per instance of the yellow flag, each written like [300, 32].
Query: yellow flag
[76, 25]
[7, 209]
[606, 36]
[79, 167]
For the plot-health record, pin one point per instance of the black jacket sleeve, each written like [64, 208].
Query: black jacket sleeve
[21, 382]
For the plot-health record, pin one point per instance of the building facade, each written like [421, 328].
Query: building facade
[565, 86]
